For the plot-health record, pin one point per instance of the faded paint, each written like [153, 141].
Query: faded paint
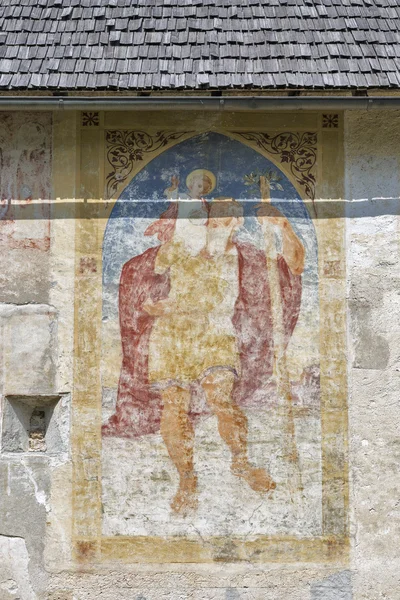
[25, 177]
[205, 345]
[25, 187]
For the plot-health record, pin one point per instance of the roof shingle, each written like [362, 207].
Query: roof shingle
[198, 44]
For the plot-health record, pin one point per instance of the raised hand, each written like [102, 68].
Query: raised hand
[174, 183]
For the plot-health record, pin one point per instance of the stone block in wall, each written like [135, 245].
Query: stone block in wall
[373, 247]
[28, 346]
[24, 276]
[371, 349]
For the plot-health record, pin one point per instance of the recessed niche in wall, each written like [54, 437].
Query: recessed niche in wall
[38, 424]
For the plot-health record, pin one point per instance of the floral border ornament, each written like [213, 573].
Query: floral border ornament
[90, 119]
[329, 121]
[299, 150]
[125, 148]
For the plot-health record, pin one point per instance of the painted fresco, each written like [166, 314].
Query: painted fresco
[210, 349]
[25, 172]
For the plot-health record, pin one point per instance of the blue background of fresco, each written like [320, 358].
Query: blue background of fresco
[143, 200]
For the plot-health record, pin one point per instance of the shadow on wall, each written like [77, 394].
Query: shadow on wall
[335, 587]
[232, 594]
[356, 208]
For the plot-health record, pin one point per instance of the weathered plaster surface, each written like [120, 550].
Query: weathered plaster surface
[373, 187]
[14, 569]
[24, 506]
[33, 354]
[36, 350]
[210, 583]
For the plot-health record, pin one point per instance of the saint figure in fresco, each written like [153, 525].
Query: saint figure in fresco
[197, 313]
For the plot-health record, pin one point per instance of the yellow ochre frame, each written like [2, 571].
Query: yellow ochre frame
[92, 212]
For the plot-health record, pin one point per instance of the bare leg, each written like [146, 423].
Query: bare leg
[232, 427]
[178, 435]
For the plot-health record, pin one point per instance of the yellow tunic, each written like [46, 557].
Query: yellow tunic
[185, 343]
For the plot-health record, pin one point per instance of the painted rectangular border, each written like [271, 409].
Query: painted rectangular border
[88, 544]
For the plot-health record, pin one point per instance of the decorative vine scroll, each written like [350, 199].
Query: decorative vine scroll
[299, 150]
[125, 148]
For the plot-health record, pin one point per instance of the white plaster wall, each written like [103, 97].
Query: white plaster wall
[373, 261]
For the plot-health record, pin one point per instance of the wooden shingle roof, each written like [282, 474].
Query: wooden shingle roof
[199, 44]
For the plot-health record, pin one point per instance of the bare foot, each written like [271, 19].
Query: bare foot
[185, 499]
[257, 479]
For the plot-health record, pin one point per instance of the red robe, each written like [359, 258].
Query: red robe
[138, 410]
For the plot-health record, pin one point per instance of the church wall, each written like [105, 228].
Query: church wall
[66, 532]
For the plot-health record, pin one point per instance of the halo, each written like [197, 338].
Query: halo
[203, 173]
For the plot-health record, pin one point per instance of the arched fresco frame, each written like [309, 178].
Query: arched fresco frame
[88, 542]
[169, 139]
